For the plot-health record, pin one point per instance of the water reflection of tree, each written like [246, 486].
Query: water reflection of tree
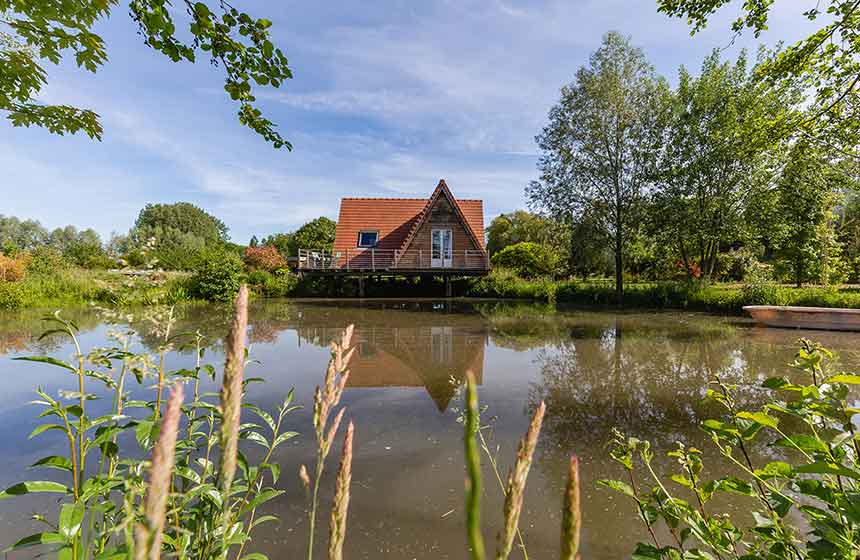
[647, 380]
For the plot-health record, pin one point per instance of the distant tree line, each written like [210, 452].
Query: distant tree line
[176, 236]
[712, 179]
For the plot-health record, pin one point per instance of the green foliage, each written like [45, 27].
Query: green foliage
[283, 242]
[801, 502]
[35, 33]
[172, 236]
[519, 226]
[825, 61]
[528, 260]
[21, 235]
[116, 466]
[317, 234]
[12, 295]
[805, 200]
[720, 122]
[600, 148]
[217, 275]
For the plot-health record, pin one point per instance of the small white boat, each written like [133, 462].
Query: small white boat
[793, 317]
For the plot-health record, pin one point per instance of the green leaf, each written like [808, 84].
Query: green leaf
[845, 378]
[618, 486]
[826, 467]
[47, 360]
[44, 428]
[54, 462]
[33, 486]
[260, 499]
[36, 539]
[283, 437]
[71, 517]
[735, 485]
[804, 442]
[760, 418]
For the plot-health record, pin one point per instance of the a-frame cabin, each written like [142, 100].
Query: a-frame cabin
[437, 235]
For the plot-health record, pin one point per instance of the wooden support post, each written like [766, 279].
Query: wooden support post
[361, 285]
[447, 285]
[373, 259]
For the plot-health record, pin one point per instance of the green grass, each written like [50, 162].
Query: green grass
[76, 286]
[728, 298]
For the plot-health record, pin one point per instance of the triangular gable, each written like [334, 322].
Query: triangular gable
[441, 190]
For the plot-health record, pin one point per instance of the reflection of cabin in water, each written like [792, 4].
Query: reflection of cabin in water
[434, 357]
[436, 236]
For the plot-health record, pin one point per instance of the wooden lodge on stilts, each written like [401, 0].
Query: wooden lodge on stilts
[440, 236]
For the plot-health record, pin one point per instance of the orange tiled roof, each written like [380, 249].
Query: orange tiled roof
[395, 219]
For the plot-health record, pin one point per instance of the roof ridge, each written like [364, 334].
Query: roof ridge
[405, 198]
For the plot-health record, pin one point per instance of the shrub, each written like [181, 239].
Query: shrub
[217, 275]
[800, 502]
[264, 258]
[760, 289]
[280, 284]
[46, 260]
[13, 269]
[528, 260]
[258, 277]
[11, 295]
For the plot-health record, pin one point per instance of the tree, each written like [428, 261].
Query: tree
[254, 241]
[526, 259]
[827, 61]
[317, 234]
[35, 32]
[174, 234]
[602, 143]
[20, 235]
[283, 242]
[718, 141]
[805, 200]
[516, 227]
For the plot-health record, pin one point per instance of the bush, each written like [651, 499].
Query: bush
[217, 276]
[265, 258]
[526, 259]
[13, 269]
[46, 260]
[800, 503]
[258, 277]
[280, 284]
[11, 295]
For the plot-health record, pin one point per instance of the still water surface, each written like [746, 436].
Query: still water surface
[645, 373]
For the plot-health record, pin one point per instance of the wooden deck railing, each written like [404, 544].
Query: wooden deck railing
[373, 260]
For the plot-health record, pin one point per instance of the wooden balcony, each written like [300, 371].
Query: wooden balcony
[372, 260]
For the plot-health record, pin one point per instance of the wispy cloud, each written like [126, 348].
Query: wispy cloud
[388, 97]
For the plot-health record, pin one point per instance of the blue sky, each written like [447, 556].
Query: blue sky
[387, 97]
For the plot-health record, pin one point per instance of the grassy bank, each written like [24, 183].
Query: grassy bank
[662, 295]
[75, 286]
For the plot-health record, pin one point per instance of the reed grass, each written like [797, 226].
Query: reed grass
[571, 514]
[517, 484]
[149, 535]
[340, 507]
[326, 399]
[231, 390]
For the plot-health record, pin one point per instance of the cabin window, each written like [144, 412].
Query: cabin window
[367, 238]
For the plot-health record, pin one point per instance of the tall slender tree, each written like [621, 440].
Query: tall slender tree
[601, 146]
[719, 140]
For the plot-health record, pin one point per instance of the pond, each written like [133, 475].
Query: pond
[645, 373]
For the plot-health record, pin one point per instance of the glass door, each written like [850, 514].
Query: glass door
[441, 248]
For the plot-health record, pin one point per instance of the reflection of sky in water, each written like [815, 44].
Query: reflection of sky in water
[645, 373]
